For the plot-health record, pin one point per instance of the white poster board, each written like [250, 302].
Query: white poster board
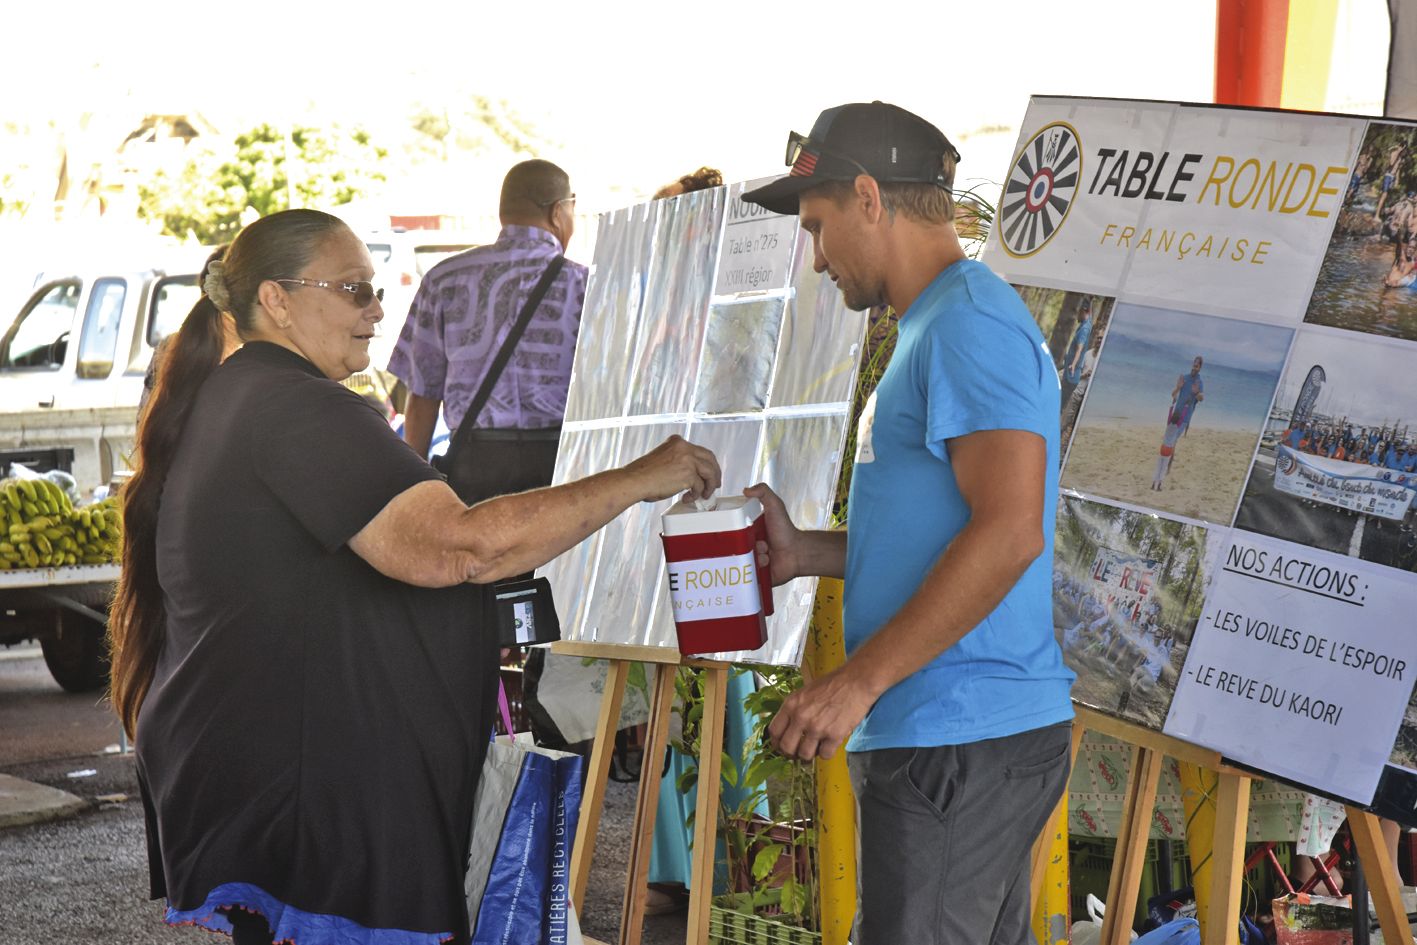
[1302, 667]
[1235, 295]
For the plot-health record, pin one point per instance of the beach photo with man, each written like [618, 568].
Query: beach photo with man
[1174, 411]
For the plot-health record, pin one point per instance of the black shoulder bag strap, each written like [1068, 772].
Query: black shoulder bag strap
[499, 364]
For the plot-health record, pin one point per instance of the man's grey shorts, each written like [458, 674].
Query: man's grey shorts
[946, 835]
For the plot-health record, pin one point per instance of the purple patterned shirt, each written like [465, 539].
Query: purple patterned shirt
[464, 308]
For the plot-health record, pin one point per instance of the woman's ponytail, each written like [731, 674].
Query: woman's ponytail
[137, 621]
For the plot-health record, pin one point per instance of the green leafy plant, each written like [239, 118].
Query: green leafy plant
[262, 170]
[10, 204]
[769, 861]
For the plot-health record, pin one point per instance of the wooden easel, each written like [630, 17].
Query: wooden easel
[1227, 856]
[715, 683]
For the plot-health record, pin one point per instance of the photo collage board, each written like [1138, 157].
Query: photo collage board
[703, 318]
[1230, 297]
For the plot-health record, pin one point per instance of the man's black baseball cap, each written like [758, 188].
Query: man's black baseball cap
[884, 141]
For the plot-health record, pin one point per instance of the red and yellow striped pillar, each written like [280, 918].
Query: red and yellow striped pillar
[1274, 53]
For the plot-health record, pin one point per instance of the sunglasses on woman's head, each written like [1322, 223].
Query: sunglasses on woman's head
[363, 293]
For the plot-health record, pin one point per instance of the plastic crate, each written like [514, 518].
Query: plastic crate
[727, 927]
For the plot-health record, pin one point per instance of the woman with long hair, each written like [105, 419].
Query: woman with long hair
[230, 340]
[300, 642]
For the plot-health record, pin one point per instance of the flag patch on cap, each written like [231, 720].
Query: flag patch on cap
[805, 164]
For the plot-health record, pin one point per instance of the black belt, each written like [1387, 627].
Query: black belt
[513, 435]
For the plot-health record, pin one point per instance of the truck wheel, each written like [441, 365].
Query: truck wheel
[77, 655]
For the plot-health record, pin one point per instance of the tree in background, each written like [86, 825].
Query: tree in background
[474, 125]
[26, 156]
[10, 204]
[208, 198]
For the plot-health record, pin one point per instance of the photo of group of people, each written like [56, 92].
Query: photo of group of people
[1385, 447]
[1174, 411]
[1404, 749]
[1074, 324]
[1368, 281]
[1127, 593]
[1347, 410]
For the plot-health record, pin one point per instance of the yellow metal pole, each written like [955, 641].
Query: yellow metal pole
[1049, 882]
[1198, 790]
[1050, 905]
[836, 804]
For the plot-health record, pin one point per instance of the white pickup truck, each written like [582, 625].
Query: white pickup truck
[72, 362]
[71, 375]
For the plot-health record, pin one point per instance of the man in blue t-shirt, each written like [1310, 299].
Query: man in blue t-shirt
[954, 702]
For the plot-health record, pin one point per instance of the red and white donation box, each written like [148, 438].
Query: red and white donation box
[719, 593]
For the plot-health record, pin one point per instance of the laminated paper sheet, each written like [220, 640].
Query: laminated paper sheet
[601, 377]
[676, 303]
[582, 453]
[820, 343]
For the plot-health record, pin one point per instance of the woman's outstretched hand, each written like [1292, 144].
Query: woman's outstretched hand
[675, 466]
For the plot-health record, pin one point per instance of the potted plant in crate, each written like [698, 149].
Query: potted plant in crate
[768, 874]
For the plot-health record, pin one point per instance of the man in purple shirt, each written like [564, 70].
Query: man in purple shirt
[468, 303]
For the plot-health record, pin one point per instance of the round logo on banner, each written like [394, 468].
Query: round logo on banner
[1287, 464]
[1042, 183]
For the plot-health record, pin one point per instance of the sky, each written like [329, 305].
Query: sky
[630, 88]
[634, 93]
[1247, 346]
[1369, 379]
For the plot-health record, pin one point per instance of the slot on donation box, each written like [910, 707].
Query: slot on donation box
[719, 594]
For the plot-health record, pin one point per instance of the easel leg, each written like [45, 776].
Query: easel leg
[706, 805]
[596, 777]
[1125, 883]
[1383, 880]
[647, 806]
[1232, 812]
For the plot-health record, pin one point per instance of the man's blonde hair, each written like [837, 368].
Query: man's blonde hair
[923, 203]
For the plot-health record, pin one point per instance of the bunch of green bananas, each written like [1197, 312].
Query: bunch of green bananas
[43, 529]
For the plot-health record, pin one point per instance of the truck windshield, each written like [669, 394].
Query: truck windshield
[172, 298]
[40, 336]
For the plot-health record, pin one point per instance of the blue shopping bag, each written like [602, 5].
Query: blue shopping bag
[1165, 910]
[1175, 932]
[524, 826]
